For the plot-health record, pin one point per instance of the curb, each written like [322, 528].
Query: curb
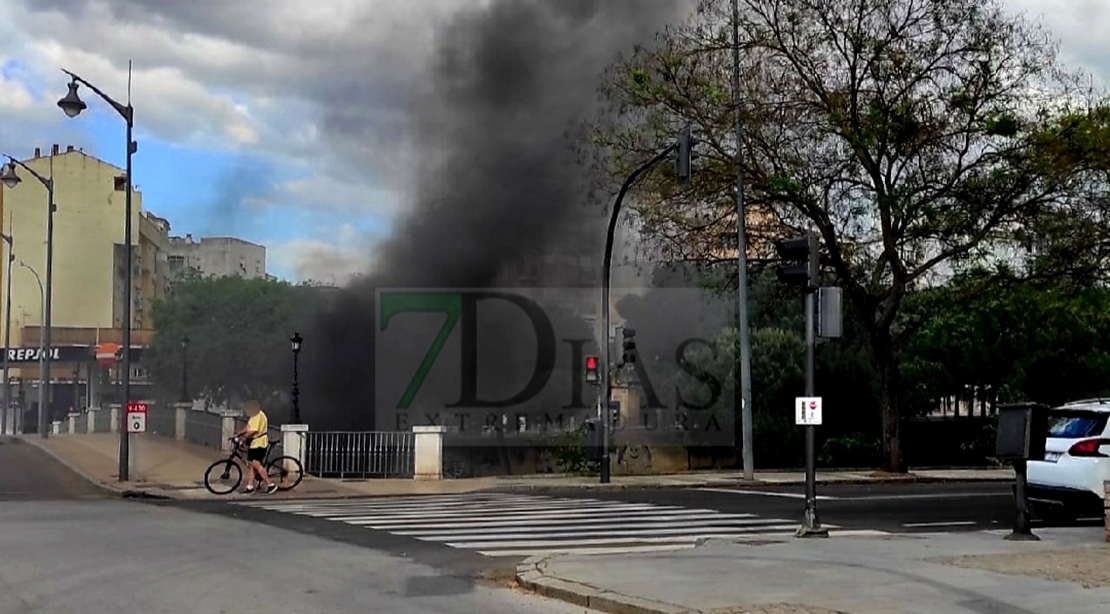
[740, 484]
[119, 491]
[530, 576]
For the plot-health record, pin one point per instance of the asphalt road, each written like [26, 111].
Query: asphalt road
[880, 507]
[28, 473]
[65, 547]
[481, 531]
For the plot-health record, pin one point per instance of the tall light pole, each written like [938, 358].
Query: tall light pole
[295, 343]
[742, 262]
[7, 408]
[42, 354]
[72, 105]
[11, 180]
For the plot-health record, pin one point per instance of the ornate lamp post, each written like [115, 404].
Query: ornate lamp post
[184, 369]
[295, 342]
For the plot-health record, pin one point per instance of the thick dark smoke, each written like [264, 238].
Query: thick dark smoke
[499, 180]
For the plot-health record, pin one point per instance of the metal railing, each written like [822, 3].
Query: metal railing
[338, 454]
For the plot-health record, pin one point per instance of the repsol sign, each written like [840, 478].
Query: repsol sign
[31, 355]
[481, 360]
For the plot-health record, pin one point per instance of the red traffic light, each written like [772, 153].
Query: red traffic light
[591, 362]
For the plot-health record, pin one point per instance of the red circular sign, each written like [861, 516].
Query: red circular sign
[813, 404]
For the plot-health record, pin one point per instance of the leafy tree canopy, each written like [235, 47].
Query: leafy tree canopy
[238, 337]
[914, 136]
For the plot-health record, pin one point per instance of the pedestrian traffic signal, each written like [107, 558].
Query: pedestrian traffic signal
[800, 261]
[685, 154]
[592, 375]
[629, 345]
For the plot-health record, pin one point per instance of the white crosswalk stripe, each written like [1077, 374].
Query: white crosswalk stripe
[509, 524]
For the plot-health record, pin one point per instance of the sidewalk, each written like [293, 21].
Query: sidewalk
[1067, 572]
[166, 468]
[172, 469]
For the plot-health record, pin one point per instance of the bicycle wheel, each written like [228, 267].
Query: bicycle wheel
[285, 471]
[220, 473]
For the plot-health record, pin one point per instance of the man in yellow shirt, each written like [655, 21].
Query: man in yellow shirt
[255, 433]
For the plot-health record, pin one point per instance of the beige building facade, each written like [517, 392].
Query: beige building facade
[88, 270]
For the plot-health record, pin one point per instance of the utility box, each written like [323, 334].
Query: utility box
[1022, 432]
[594, 444]
[830, 317]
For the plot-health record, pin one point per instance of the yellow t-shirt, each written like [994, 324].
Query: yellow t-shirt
[259, 424]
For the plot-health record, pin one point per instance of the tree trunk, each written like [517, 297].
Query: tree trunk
[886, 361]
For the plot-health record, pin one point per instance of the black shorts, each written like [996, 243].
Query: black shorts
[256, 454]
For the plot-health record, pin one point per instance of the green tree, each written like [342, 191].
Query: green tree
[238, 331]
[914, 136]
[1023, 341]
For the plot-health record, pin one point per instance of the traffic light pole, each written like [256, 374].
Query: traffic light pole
[607, 265]
[811, 524]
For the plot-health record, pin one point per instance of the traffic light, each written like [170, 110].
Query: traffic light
[685, 154]
[800, 261]
[592, 375]
[629, 345]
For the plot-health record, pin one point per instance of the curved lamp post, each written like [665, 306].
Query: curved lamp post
[42, 354]
[11, 180]
[295, 343]
[72, 105]
[7, 408]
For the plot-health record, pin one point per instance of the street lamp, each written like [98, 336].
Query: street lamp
[295, 342]
[72, 105]
[42, 355]
[184, 369]
[11, 180]
[7, 337]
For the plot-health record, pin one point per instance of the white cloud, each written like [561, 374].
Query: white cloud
[335, 260]
[326, 86]
[309, 85]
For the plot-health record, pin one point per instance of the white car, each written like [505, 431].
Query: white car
[1069, 482]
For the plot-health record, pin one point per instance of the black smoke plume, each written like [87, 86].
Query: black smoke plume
[498, 180]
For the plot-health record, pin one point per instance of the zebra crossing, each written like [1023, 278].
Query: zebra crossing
[520, 525]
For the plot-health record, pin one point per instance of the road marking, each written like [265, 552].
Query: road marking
[969, 495]
[524, 525]
[767, 493]
[956, 523]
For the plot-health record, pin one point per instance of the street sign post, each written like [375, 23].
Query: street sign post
[136, 423]
[807, 411]
[136, 417]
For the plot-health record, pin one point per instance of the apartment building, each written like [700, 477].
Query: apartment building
[216, 257]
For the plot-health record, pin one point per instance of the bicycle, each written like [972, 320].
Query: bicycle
[279, 469]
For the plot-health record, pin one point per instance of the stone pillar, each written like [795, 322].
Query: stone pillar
[90, 423]
[113, 419]
[428, 452]
[1106, 503]
[227, 429]
[293, 441]
[72, 424]
[56, 427]
[179, 412]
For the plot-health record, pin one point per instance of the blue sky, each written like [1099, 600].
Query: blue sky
[208, 192]
[240, 129]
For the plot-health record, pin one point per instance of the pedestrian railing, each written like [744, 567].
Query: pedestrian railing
[336, 454]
